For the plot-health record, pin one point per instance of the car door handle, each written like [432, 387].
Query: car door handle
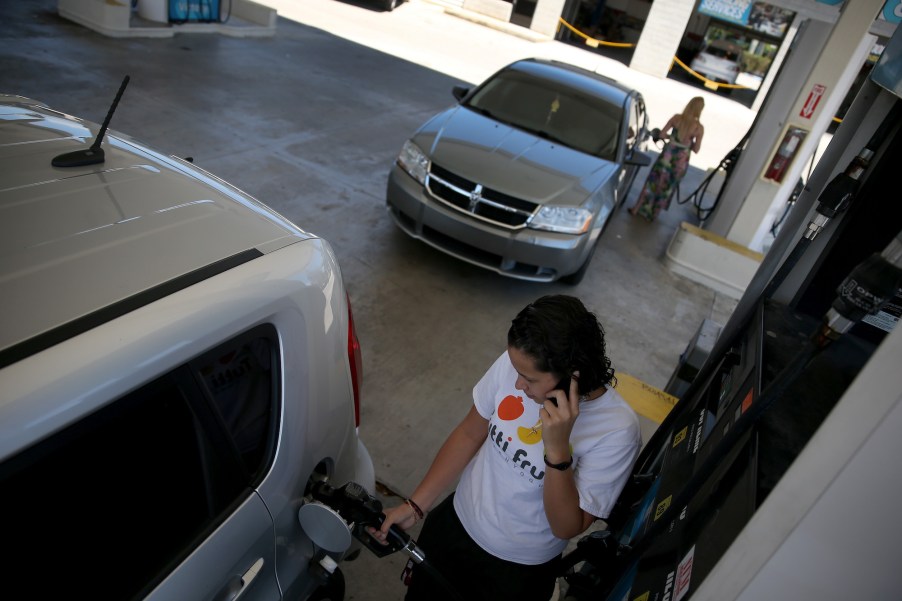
[237, 586]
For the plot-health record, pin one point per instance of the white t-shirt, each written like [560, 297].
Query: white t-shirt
[499, 496]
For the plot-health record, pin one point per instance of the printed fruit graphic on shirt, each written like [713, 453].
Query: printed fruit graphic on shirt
[530, 435]
[510, 408]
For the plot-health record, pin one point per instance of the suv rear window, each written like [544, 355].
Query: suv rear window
[730, 55]
[113, 502]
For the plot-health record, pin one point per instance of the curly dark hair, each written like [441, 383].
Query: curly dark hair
[562, 336]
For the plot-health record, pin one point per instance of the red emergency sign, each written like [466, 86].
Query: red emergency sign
[817, 91]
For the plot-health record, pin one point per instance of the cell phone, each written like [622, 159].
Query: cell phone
[564, 385]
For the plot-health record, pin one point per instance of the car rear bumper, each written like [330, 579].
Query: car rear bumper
[365, 473]
[714, 74]
[524, 254]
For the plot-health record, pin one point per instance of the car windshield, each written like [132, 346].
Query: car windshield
[551, 110]
[724, 53]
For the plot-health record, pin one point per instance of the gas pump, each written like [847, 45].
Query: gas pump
[775, 375]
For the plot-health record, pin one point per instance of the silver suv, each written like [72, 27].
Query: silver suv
[178, 366]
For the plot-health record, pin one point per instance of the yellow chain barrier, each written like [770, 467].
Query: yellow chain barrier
[714, 85]
[708, 83]
[595, 42]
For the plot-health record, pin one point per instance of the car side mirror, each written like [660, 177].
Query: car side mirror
[460, 91]
[638, 158]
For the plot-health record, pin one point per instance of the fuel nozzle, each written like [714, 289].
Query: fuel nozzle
[865, 290]
[361, 510]
[836, 195]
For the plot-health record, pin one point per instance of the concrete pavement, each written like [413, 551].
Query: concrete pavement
[309, 122]
[470, 47]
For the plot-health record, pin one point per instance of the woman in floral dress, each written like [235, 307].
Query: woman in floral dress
[683, 133]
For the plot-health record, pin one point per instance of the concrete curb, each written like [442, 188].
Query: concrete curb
[509, 28]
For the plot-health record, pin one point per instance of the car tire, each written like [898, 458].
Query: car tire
[577, 276]
[391, 5]
[334, 590]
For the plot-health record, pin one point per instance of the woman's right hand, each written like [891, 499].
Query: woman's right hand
[402, 515]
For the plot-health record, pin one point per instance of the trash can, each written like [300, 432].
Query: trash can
[193, 11]
[153, 10]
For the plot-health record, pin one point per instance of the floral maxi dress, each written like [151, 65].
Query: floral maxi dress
[664, 178]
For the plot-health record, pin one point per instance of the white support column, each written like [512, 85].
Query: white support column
[812, 82]
[545, 19]
[811, 112]
[809, 41]
[660, 39]
[498, 9]
[778, 60]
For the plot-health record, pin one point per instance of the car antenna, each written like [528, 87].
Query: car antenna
[94, 154]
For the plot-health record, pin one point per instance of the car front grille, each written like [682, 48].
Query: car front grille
[484, 203]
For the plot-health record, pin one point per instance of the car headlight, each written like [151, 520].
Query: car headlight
[566, 220]
[414, 161]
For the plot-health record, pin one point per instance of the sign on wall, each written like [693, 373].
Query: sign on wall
[759, 16]
[814, 97]
[892, 11]
[734, 11]
[887, 73]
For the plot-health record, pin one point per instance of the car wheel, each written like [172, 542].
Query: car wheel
[577, 276]
[391, 5]
[334, 590]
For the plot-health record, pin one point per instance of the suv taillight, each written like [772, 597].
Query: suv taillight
[354, 359]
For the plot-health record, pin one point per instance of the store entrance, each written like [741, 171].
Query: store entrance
[730, 57]
[607, 27]
[522, 12]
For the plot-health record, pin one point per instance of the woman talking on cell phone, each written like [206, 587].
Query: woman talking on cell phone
[543, 452]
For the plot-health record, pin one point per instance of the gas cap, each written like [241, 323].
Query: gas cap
[325, 527]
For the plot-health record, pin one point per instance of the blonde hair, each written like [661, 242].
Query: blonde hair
[691, 113]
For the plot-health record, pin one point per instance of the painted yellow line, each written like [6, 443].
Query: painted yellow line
[721, 241]
[645, 400]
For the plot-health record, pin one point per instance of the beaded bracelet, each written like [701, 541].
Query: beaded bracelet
[416, 508]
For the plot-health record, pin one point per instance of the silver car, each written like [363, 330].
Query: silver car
[719, 61]
[178, 365]
[523, 175]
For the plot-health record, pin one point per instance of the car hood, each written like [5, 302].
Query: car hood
[510, 160]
